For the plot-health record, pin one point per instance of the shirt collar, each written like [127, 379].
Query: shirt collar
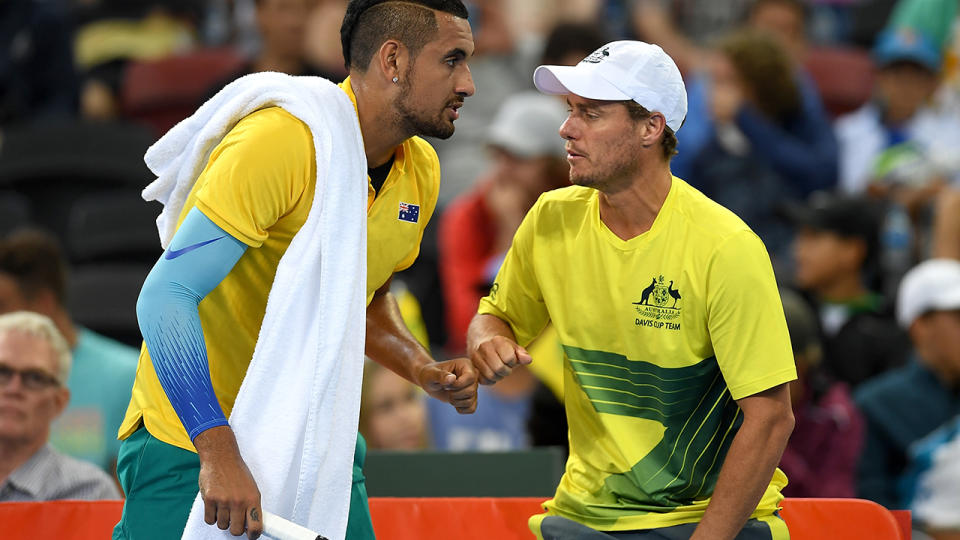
[347, 88]
[30, 476]
[399, 161]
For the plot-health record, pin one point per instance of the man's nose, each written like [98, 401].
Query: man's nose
[466, 88]
[567, 129]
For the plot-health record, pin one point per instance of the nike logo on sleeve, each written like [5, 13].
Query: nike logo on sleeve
[174, 253]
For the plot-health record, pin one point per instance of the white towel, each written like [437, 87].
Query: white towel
[295, 417]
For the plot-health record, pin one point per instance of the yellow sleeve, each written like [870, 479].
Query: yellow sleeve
[745, 317]
[257, 174]
[515, 296]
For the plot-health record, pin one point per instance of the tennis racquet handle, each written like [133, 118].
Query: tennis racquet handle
[278, 528]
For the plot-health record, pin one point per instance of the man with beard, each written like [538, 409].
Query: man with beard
[408, 77]
[676, 352]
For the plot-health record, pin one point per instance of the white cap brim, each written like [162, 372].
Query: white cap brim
[933, 285]
[579, 80]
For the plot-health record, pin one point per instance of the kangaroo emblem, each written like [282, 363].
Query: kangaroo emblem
[645, 295]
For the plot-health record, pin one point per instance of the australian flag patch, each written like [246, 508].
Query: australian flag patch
[409, 212]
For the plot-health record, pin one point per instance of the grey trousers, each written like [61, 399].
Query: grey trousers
[559, 528]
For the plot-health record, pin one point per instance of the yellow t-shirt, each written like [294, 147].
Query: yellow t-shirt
[258, 186]
[661, 333]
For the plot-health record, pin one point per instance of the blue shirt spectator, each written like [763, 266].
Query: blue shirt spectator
[908, 404]
[500, 423]
[756, 135]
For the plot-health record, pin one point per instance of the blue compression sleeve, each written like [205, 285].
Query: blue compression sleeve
[200, 255]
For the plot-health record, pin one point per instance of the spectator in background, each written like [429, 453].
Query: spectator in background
[786, 21]
[37, 77]
[758, 136]
[684, 27]
[570, 42]
[34, 365]
[897, 145]
[835, 249]
[903, 406]
[501, 72]
[931, 484]
[528, 158]
[821, 457]
[393, 413]
[322, 48]
[283, 30]
[111, 33]
[946, 227]
[33, 277]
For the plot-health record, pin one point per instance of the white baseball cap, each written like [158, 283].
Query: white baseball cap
[621, 71]
[933, 285]
[527, 125]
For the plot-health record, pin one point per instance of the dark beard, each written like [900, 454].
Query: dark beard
[414, 124]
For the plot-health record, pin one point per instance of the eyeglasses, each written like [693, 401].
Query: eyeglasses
[32, 379]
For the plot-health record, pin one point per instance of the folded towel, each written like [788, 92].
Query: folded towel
[295, 417]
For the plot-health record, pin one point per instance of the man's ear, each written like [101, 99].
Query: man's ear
[651, 129]
[62, 399]
[392, 59]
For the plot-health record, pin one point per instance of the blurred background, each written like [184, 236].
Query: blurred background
[832, 127]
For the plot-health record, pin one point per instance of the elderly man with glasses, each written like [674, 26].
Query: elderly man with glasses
[34, 364]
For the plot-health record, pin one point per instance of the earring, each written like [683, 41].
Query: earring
[396, 80]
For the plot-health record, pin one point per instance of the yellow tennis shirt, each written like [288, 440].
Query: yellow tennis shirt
[259, 186]
[661, 334]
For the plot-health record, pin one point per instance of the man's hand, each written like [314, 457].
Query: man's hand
[452, 381]
[496, 357]
[231, 498]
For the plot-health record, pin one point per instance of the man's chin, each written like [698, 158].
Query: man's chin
[442, 131]
[582, 181]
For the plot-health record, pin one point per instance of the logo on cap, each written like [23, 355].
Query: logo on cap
[597, 56]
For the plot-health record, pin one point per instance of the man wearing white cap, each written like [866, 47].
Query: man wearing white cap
[905, 405]
[676, 351]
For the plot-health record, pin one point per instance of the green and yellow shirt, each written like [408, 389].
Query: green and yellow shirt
[661, 334]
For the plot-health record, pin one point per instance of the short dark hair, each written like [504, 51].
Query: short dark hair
[33, 259]
[368, 23]
[668, 142]
[572, 37]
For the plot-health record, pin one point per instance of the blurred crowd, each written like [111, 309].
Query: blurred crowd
[831, 127]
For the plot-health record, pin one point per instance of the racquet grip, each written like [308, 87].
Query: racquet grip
[278, 528]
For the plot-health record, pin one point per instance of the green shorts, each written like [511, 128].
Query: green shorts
[161, 481]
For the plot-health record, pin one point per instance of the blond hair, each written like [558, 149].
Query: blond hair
[40, 326]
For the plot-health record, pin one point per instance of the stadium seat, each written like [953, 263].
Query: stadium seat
[162, 92]
[840, 519]
[103, 297]
[15, 211]
[462, 518]
[66, 520]
[844, 76]
[113, 226]
[93, 153]
[52, 165]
